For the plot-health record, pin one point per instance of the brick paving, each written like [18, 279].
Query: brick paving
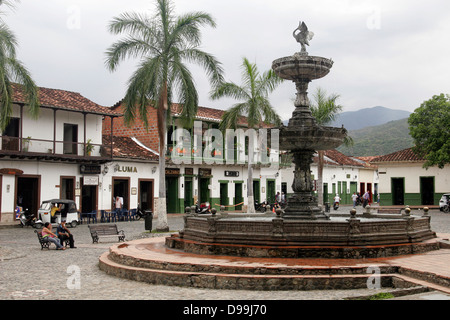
[27, 272]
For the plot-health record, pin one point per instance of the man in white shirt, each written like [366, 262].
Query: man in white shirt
[354, 199]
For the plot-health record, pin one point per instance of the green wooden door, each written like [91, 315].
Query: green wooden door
[188, 200]
[238, 195]
[271, 191]
[224, 194]
[171, 194]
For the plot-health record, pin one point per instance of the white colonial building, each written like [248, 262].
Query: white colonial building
[404, 181]
[58, 155]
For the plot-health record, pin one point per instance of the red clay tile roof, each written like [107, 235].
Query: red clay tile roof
[65, 100]
[203, 113]
[334, 157]
[406, 155]
[366, 161]
[125, 147]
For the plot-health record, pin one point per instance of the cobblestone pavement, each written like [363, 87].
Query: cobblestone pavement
[27, 272]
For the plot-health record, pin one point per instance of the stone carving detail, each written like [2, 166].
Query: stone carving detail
[278, 229]
[212, 225]
[303, 36]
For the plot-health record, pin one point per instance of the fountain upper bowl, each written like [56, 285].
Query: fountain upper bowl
[302, 67]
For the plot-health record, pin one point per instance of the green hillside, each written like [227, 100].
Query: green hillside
[379, 140]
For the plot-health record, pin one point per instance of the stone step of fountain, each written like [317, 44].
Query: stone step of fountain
[150, 261]
[134, 256]
[209, 280]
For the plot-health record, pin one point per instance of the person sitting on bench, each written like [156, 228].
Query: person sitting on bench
[48, 234]
[64, 234]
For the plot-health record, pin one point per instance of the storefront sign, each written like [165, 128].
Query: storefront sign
[204, 172]
[90, 180]
[14, 172]
[189, 171]
[90, 169]
[172, 172]
[231, 173]
[118, 168]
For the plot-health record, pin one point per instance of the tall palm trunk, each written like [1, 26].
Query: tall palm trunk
[250, 195]
[320, 178]
[162, 225]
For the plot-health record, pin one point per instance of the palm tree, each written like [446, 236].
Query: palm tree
[13, 71]
[164, 43]
[255, 106]
[324, 109]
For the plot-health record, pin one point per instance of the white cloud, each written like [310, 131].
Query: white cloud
[389, 53]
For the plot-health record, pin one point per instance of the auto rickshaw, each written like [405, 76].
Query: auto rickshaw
[56, 210]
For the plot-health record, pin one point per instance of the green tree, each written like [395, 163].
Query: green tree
[324, 109]
[254, 105]
[13, 71]
[164, 43]
[429, 127]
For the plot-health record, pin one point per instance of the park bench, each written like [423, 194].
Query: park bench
[390, 210]
[45, 243]
[108, 230]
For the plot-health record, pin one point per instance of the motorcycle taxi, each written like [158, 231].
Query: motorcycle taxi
[56, 210]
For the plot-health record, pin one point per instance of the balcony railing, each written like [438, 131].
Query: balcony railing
[15, 146]
[237, 156]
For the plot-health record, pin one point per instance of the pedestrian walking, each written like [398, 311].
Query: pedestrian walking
[366, 197]
[354, 199]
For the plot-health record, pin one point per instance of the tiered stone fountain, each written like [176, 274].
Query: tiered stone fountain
[303, 229]
[226, 251]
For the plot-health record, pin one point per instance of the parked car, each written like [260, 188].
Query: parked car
[444, 203]
[67, 211]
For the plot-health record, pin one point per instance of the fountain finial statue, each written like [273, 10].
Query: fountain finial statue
[303, 36]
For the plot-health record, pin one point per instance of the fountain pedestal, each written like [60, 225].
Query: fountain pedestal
[303, 136]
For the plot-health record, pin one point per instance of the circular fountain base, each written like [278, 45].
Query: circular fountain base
[301, 251]
[151, 261]
[270, 236]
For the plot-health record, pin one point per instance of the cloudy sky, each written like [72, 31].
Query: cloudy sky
[392, 53]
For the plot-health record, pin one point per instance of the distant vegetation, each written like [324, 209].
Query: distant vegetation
[379, 140]
[355, 120]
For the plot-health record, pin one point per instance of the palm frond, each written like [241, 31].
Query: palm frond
[209, 63]
[21, 75]
[231, 90]
[231, 117]
[325, 107]
[164, 42]
[8, 41]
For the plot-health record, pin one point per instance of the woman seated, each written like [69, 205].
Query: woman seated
[48, 234]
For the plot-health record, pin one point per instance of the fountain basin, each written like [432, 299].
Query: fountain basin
[253, 235]
[302, 67]
[298, 137]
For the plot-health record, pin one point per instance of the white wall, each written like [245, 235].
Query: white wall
[42, 129]
[412, 173]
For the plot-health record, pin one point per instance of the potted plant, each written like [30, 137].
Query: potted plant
[89, 147]
[26, 143]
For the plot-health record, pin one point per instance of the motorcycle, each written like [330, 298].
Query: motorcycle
[203, 208]
[336, 205]
[140, 214]
[261, 206]
[27, 219]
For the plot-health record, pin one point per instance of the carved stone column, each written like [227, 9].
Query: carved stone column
[303, 204]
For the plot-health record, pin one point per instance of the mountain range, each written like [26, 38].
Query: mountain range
[375, 131]
[379, 140]
[368, 117]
